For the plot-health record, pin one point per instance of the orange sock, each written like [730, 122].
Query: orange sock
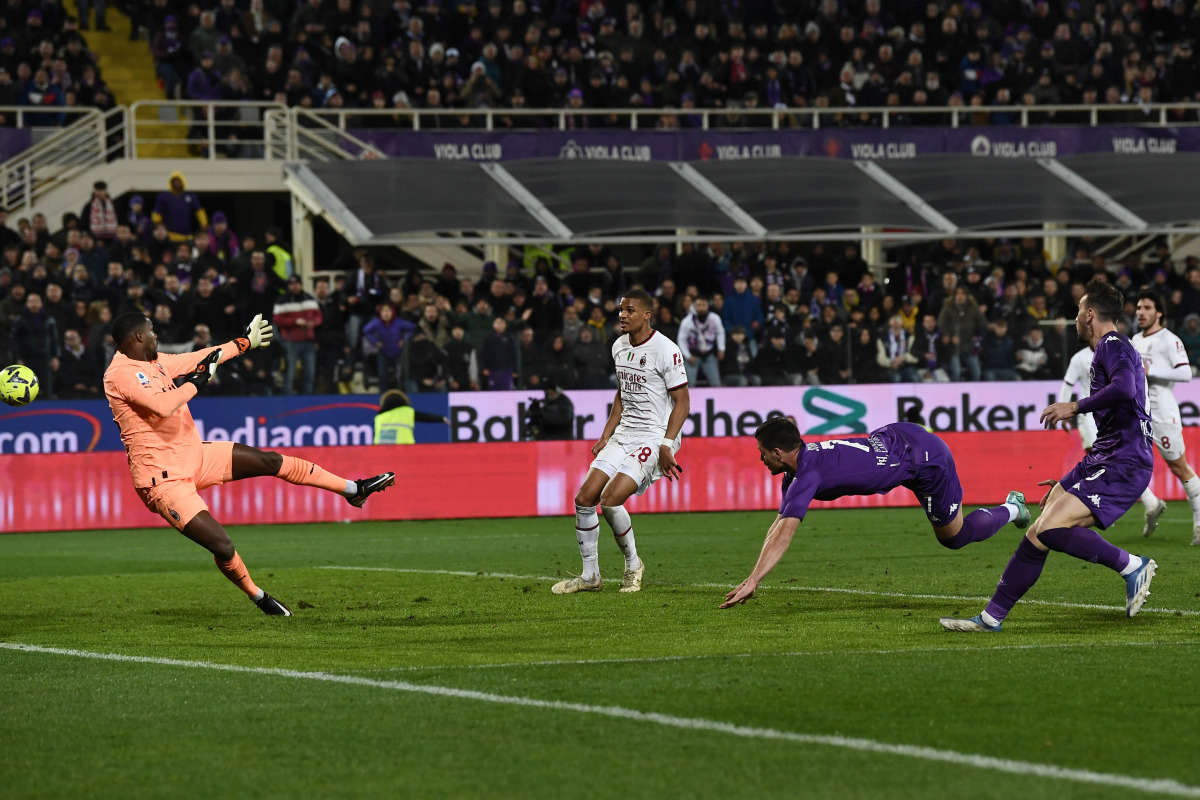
[305, 473]
[237, 573]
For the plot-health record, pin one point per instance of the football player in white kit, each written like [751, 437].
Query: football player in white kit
[1166, 363]
[638, 444]
[1079, 373]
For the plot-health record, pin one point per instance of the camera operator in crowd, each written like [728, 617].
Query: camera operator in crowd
[552, 419]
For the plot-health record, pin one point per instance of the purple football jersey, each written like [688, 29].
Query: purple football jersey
[874, 464]
[1123, 428]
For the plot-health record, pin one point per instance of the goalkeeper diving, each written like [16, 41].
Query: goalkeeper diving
[148, 393]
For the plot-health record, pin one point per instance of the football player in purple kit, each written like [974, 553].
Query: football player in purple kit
[900, 454]
[1101, 487]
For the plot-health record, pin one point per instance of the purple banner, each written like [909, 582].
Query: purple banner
[13, 141]
[860, 144]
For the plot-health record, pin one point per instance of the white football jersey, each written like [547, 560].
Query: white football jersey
[1161, 349]
[1079, 373]
[645, 374]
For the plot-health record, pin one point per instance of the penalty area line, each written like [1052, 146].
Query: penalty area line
[1025, 768]
[1185, 612]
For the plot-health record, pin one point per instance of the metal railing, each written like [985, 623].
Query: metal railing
[312, 137]
[562, 119]
[191, 128]
[92, 138]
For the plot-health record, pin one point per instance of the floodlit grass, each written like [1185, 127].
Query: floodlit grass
[1067, 686]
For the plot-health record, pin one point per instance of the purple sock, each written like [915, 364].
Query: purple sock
[977, 526]
[1085, 544]
[1022, 572]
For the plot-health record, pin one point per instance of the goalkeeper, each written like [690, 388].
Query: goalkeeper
[148, 393]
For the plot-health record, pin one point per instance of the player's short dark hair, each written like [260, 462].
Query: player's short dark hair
[1105, 299]
[1154, 297]
[779, 433]
[641, 296]
[125, 325]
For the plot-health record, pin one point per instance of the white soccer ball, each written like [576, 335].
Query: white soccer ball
[18, 385]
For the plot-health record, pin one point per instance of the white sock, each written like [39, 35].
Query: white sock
[587, 532]
[622, 528]
[261, 594]
[1135, 563]
[1192, 488]
[1149, 500]
[988, 618]
[351, 489]
[1012, 510]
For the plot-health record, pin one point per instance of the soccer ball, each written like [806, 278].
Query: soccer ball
[18, 385]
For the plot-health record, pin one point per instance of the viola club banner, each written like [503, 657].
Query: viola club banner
[858, 144]
[348, 420]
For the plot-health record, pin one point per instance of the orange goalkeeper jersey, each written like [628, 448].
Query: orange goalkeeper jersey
[157, 429]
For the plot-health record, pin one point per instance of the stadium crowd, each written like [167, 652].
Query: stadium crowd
[743, 314]
[678, 55]
[45, 63]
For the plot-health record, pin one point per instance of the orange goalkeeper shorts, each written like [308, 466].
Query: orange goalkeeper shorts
[176, 500]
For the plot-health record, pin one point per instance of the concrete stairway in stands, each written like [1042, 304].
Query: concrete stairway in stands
[128, 69]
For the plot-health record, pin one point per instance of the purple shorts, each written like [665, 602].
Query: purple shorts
[936, 483]
[1108, 488]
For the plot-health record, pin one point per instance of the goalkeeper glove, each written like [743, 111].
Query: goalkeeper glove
[199, 377]
[258, 334]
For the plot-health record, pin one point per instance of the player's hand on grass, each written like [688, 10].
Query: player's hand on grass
[1046, 496]
[667, 463]
[1059, 412]
[599, 445]
[741, 594]
[203, 371]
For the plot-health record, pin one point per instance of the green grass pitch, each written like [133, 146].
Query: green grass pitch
[448, 669]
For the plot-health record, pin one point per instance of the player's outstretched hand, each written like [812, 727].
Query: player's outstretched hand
[202, 372]
[599, 445]
[667, 463]
[741, 594]
[259, 332]
[1059, 412]
[1046, 496]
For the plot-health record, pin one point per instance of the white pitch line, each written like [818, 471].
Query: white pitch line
[1010, 766]
[789, 588]
[787, 654]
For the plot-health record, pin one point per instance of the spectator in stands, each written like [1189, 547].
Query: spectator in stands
[998, 357]
[99, 216]
[1033, 357]
[425, 364]
[498, 362]
[963, 325]
[736, 365]
[529, 356]
[297, 316]
[702, 341]
[593, 361]
[35, 342]
[462, 364]
[894, 353]
[42, 92]
[79, 374]
[559, 364]
[177, 208]
[366, 288]
[775, 364]
[171, 58]
[930, 350]
[388, 334]
[833, 356]
[332, 348]
[742, 309]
